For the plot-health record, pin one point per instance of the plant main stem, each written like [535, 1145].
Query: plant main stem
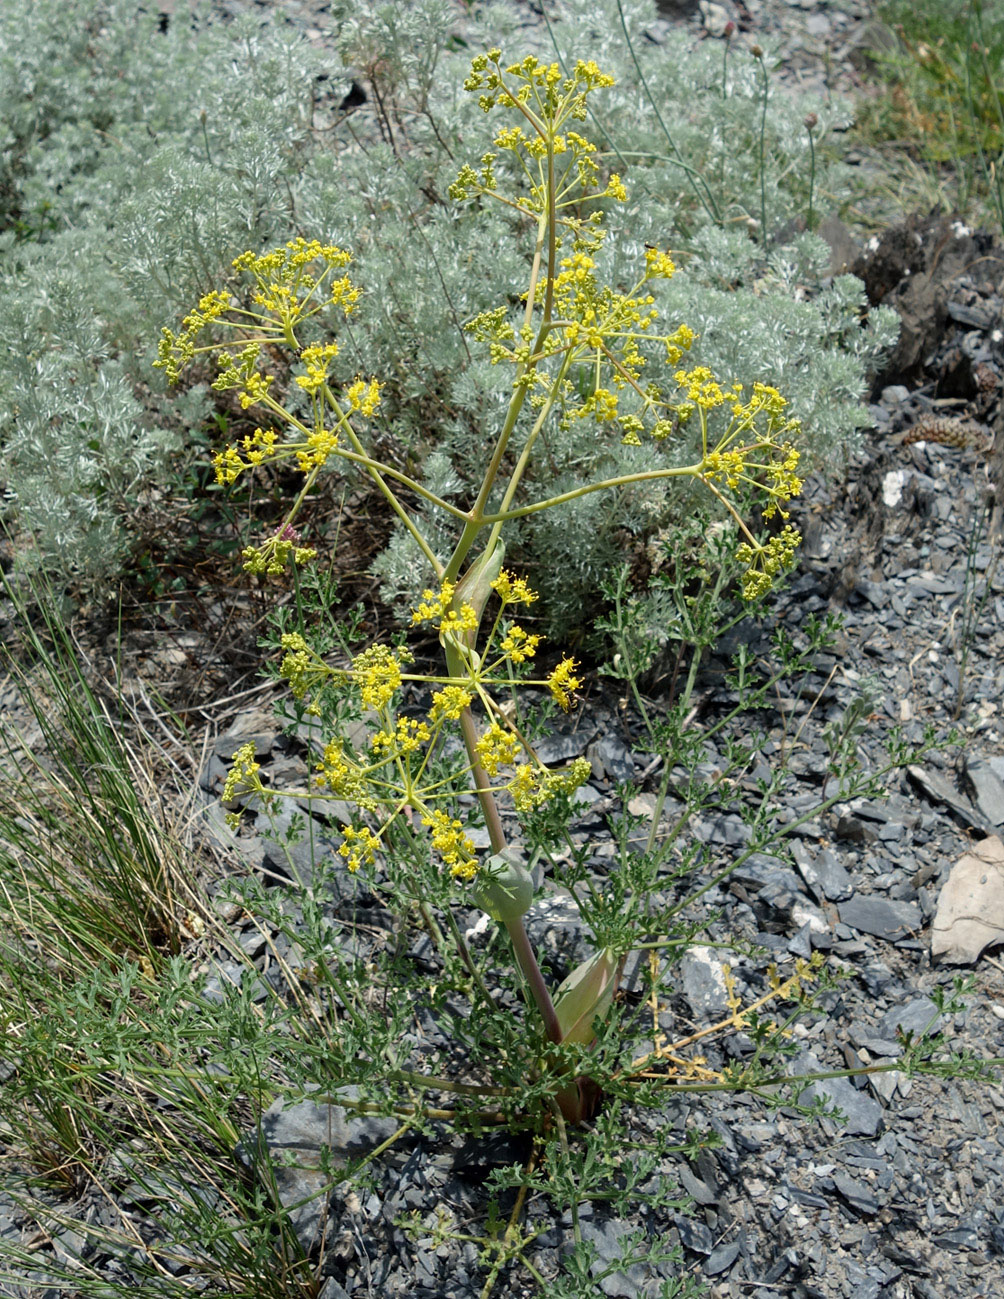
[525, 957]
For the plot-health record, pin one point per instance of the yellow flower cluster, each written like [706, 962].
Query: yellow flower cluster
[767, 460]
[273, 556]
[563, 682]
[377, 673]
[703, 389]
[363, 396]
[766, 562]
[548, 99]
[449, 703]
[358, 847]
[259, 448]
[531, 786]
[321, 443]
[342, 776]
[512, 590]
[175, 351]
[237, 369]
[678, 342]
[289, 279]
[255, 390]
[730, 465]
[493, 328]
[316, 361]
[436, 608]
[658, 265]
[291, 285]
[452, 844]
[302, 668]
[242, 778]
[519, 645]
[498, 748]
[281, 263]
[409, 734]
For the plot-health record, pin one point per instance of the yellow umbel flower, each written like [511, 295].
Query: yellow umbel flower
[703, 389]
[363, 396]
[377, 673]
[343, 778]
[410, 734]
[302, 668]
[512, 590]
[518, 645]
[321, 443]
[272, 557]
[436, 609]
[316, 361]
[242, 778]
[533, 786]
[433, 606]
[498, 748]
[766, 562]
[449, 702]
[658, 265]
[449, 840]
[562, 682]
[358, 847]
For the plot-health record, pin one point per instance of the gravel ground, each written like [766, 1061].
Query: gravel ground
[905, 1198]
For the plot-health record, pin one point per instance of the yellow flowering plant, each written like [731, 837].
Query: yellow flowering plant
[577, 351]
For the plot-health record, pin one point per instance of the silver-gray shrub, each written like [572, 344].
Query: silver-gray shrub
[206, 142]
[134, 164]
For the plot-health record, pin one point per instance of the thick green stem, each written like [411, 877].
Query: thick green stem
[489, 807]
[524, 953]
[531, 970]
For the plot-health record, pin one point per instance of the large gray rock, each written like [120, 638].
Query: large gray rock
[297, 1147]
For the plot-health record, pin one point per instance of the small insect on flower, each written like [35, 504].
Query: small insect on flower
[562, 682]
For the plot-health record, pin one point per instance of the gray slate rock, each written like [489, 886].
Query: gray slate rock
[695, 1235]
[722, 1258]
[911, 1017]
[563, 746]
[938, 790]
[823, 873]
[987, 789]
[881, 917]
[703, 982]
[857, 1194]
[611, 758]
[863, 1114]
[289, 1150]
[699, 1191]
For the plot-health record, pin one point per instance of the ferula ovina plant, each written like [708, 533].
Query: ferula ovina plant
[577, 350]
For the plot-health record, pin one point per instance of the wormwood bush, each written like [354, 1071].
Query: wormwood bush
[136, 160]
[132, 161]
